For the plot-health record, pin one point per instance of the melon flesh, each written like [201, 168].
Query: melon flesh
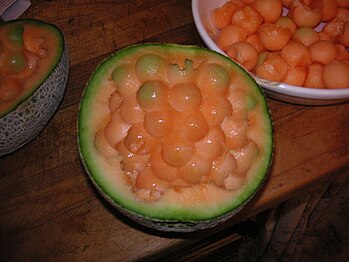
[174, 133]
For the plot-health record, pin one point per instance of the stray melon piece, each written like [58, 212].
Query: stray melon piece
[200, 148]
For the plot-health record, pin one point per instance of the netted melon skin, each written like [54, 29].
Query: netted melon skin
[25, 122]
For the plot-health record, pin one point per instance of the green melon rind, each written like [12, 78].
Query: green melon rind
[168, 217]
[61, 46]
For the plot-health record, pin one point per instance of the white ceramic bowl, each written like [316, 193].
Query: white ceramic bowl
[202, 9]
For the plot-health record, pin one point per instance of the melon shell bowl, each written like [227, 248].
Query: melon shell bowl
[103, 164]
[202, 10]
[29, 118]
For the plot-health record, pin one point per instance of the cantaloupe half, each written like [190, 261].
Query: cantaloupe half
[34, 67]
[177, 138]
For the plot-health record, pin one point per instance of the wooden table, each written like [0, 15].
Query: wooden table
[49, 208]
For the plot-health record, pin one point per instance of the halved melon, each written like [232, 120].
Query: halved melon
[34, 66]
[177, 138]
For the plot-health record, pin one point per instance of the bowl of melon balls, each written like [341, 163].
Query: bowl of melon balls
[297, 50]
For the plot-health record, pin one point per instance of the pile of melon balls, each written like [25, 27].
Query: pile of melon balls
[297, 42]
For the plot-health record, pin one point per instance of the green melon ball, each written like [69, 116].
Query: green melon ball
[152, 93]
[16, 35]
[125, 79]
[150, 66]
[12, 62]
[213, 78]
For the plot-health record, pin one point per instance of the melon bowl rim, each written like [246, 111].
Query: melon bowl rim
[34, 111]
[162, 224]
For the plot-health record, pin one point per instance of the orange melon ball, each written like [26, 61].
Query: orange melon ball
[158, 123]
[314, 76]
[160, 168]
[247, 18]
[271, 10]
[323, 51]
[342, 14]
[272, 67]
[325, 37]
[221, 16]
[185, 97]
[192, 126]
[343, 3]
[287, 22]
[195, 169]
[255, 40]
[212, 78]
[130, 111]
[230, 35]
[342, 52]
[296, 75]
[344, 37]
[211, 146]
[295, 54]
[336, 74]
[215, 109]
[244, 53]
[176, 151]
[328, 8]
[305, 35]
[274, 37]
[333, 28]
[304, 16]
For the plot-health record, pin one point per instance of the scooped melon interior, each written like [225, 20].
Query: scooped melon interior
[174, 133]
[29, 52]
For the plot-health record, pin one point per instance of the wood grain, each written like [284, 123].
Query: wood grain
[50, 210]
